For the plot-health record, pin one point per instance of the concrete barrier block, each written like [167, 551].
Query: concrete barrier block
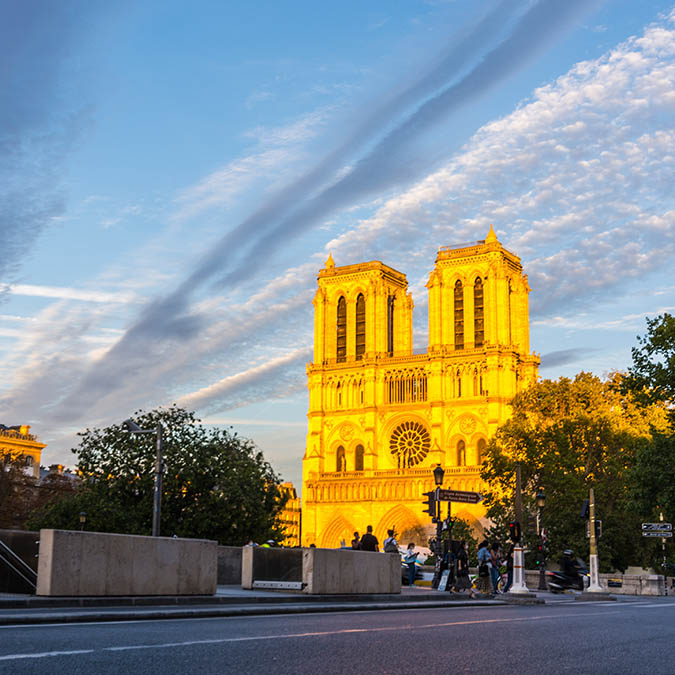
[94, 563]
[229, 564]
[336, 571]
[247, 567]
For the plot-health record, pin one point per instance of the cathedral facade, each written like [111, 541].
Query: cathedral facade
[381, 417]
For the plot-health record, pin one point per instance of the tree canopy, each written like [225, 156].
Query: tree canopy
[567, 436]
[216, 485]
[652, 375]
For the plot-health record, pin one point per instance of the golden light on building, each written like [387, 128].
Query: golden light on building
[289, 518]
[381, 417]
[18, 442]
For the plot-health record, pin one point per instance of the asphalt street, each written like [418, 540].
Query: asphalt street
[630, 636]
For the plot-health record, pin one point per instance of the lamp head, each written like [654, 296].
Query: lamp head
[438, 474]
[131, 426]
[540, 499]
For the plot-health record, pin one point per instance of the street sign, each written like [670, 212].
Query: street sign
[655, 533]
[459, 496]
[649, 527]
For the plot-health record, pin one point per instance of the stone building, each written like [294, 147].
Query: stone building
[17, 441]
[289, 518]
[381, 417]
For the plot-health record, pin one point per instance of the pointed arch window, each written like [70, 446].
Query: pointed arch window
[390, 324]
[340, 459]
[459, 315]
[358, 458]
[360, 327]
[461, 453]
[478, 313]
[480, 450]
[341, 329]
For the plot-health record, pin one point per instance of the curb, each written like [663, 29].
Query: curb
[247, 610]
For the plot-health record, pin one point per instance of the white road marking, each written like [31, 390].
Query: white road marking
[41, 655]
[344, 631]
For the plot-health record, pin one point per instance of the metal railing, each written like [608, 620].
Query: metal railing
[18, 566]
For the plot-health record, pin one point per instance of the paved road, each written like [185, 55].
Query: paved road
[636, 636]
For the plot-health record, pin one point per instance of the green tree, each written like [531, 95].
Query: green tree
[216, 485]
[652, 375]
[567, 436]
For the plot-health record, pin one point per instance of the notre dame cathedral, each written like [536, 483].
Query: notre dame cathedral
[382, 417]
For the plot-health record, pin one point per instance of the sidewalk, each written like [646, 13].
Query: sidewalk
[228, 601]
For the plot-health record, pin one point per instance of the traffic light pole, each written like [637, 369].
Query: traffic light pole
[518, 586]
[439, 548]
[594, 586]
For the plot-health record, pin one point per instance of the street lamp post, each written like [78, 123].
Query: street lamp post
[541, 500]
[438, 479]
[133, 428]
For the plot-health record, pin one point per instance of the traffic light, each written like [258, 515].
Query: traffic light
[585, 510]
[514, 529]
[430, 503]
[540, 556]
[531, 523]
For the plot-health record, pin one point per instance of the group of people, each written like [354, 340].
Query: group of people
[369, 542]
[491, 560]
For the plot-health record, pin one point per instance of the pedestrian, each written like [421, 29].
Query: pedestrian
[495, 565]
[369, 541]
[509, 568]
[390, 543]
[483, 584]
[356, 541]
[410, 560]
[462, 582]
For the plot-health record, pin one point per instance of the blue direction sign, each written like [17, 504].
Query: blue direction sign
[660, 527]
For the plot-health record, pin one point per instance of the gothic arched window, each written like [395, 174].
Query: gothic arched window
[341, 351]
[459, 315]
[461, 453]
[358, 458]
[480, 450]
[390, 324]
[340, 459]
[478, 323]
[360, 327]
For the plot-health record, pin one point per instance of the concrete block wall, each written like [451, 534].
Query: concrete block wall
[95, 563]
[336, 571]
[229, 565]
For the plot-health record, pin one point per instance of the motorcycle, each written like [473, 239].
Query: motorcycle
[559, 582]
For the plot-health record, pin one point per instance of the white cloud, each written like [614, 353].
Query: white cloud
[69, 293]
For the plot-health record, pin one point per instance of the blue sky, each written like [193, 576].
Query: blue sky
[173, 176]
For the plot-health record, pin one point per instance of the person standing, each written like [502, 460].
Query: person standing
[390, 543]
[462, 582]
[410, 560]
[483, 583]
[369, 541]
[509, 569]
[356, 541]
[495, 565]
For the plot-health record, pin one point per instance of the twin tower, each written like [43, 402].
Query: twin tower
[381, 417]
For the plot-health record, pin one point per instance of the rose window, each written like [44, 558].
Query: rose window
[410, 443]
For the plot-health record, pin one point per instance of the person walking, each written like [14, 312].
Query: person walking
[462, 581]
[356, 541]
[369, 541]
[483, 583]
[509, 569]
[495, 565]
[410, 560]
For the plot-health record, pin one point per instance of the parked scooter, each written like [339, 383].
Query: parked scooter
[559, 582]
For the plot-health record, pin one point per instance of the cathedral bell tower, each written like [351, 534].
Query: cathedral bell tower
[380, 417]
